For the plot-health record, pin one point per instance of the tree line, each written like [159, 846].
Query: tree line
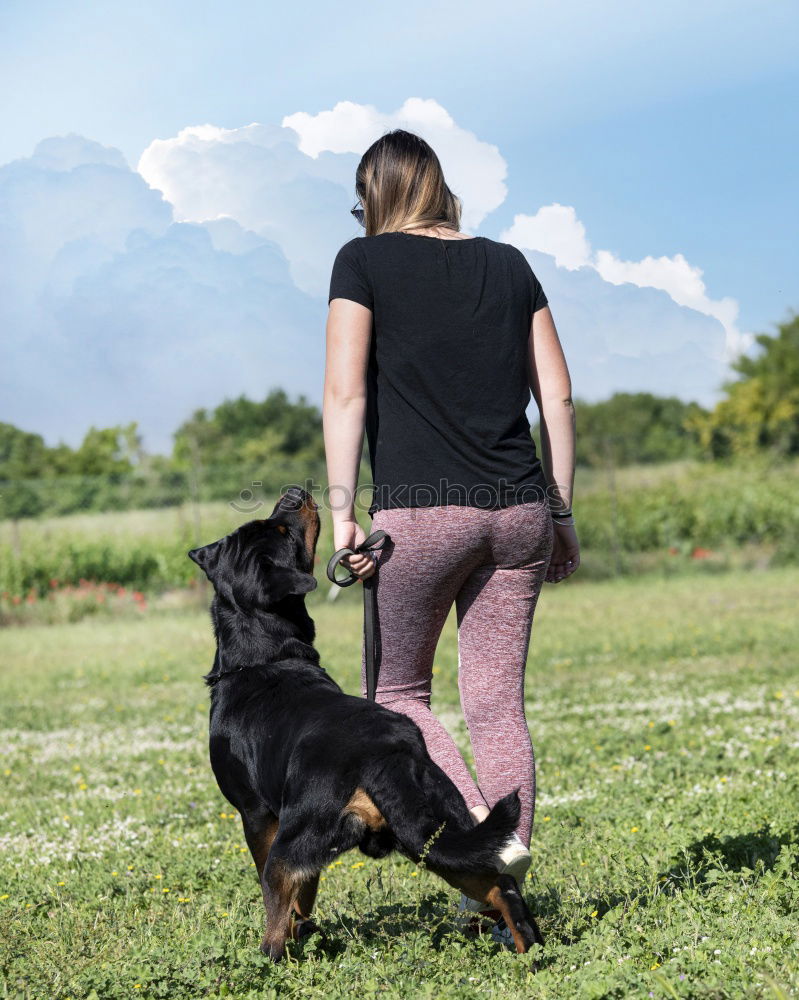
[759, 413]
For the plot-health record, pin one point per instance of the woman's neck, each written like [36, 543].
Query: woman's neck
[443, 232]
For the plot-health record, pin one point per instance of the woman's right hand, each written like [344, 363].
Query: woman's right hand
[347, 535]
[565, 553]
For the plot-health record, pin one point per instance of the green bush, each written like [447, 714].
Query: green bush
[649, 512]
[709, 505]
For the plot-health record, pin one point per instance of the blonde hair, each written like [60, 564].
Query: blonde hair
[401, 185]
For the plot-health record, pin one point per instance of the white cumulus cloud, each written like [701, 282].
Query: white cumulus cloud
[113, 312]
[143, 294]
[556, 230]
[475, 170]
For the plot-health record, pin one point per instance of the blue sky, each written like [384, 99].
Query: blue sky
[643, 158]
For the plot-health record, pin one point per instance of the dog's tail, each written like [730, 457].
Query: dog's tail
[435, 828]
[475, 849]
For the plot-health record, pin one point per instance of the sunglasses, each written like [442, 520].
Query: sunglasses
[359, 214]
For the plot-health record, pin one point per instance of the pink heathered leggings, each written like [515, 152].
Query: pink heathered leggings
[491, 564]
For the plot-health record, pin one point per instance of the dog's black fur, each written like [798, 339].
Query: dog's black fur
[313, 771]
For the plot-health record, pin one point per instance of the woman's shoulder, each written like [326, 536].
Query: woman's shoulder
[361, 248]
[510, 248]
[351, 245]
[352, 253]
[404, 238]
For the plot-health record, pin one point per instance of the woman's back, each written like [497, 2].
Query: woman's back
[447, 384]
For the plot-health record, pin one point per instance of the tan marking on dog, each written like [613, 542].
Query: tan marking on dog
[361, 805]
[260, 841]
[311, 521]
[281, 884]
[309, 517]
[498, 901]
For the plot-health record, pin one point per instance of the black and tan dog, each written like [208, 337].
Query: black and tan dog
[313, 771]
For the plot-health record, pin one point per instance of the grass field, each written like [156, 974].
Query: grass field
[664, 716]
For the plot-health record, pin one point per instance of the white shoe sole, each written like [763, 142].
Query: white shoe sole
[518, 867]
[515, 860]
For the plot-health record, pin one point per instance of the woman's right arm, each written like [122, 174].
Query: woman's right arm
[550, 385]
[349, 331]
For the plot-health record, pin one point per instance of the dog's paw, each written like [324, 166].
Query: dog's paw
[276, 951]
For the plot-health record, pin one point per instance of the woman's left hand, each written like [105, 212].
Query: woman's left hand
[347, 535]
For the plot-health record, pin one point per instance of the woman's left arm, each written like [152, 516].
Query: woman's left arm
[349, 332]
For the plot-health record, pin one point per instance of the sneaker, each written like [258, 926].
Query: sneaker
[500, 933]
[515, 859]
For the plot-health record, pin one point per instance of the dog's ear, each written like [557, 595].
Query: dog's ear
[207, 557]
[282, 581]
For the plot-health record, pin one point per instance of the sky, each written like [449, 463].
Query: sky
[175, 180]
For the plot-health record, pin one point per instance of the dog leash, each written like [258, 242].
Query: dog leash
[372, 544]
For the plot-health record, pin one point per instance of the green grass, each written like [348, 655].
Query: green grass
[663, 713]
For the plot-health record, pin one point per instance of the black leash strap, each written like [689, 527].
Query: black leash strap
[373, 543]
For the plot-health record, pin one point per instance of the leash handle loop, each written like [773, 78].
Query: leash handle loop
[372, 544]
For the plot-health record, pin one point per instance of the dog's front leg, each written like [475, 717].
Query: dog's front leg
[259, 832]
[281, 885]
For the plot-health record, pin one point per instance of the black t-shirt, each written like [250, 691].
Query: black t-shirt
[447, 382]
